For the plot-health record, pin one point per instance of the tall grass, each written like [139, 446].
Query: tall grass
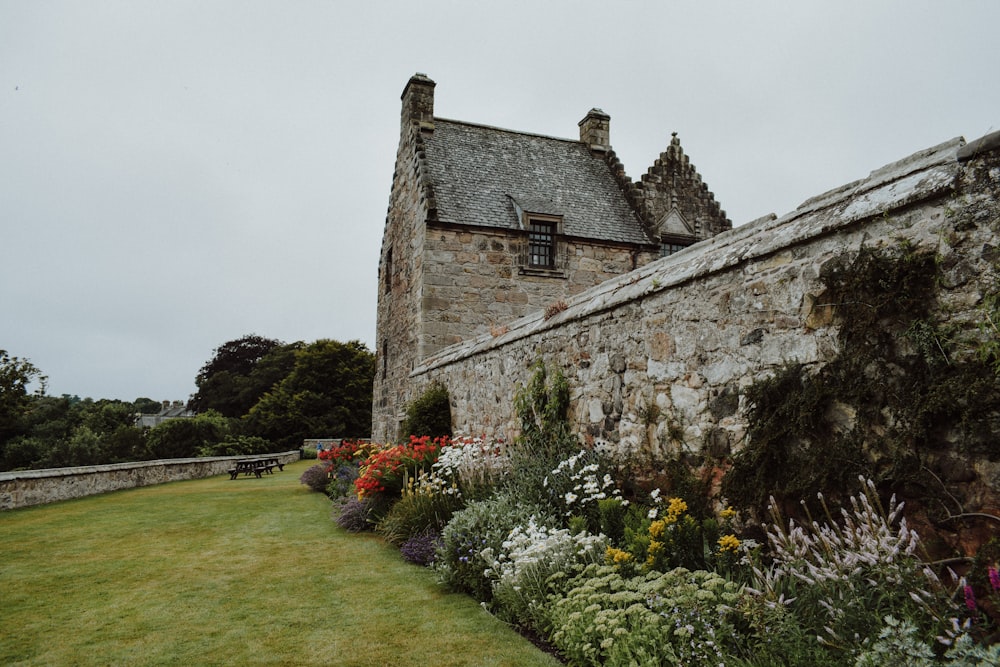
[220, 571]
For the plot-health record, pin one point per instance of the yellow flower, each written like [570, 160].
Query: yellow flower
[727, 513]
[675, 509]
[617, 556]
[729, 543]
[653, 551]
[657, 528]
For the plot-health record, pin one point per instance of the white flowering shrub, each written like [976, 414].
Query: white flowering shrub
[474, 536]
[522, 571]
[841, 578]
[468, 468]
[577, 484]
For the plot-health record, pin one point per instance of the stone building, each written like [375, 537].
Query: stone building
[486, 225]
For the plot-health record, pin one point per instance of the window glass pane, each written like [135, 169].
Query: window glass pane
[541, 246]
[670, 248]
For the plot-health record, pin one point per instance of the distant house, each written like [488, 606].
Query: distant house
[175, 410]
[486, 225]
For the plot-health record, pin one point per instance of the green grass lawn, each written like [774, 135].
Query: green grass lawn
[226, 572]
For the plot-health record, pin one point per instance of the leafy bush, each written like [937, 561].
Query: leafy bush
[428, 414]
[546, 439]
[482, 525]
[238, 445]
[417, 511]
[182, 438]
[342, 480]
[316, 478]
[680, 617]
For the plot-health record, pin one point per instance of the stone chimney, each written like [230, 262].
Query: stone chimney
[418, 103]
[595, 131]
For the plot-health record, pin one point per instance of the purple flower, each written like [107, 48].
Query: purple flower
[970, 599]
[994, 578]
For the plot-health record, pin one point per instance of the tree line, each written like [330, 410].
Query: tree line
[255, 395]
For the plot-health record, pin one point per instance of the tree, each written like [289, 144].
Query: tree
[187, 437]
[237, 376]
[15, 377]
[327, 394]
[147, 406]
[428, 414]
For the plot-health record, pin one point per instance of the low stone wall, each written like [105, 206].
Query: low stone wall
[36, 487]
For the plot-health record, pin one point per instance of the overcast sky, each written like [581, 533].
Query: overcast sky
[175, 175]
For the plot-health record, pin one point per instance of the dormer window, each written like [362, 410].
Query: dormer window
[541, 244]
[675, 233]
[669, 248]
[540, 253]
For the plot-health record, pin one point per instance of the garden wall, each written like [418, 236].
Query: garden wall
[35, 487]
[657, 359]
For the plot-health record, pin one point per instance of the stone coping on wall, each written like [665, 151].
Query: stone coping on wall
[106, 467]
[923, 175]
[23, 488]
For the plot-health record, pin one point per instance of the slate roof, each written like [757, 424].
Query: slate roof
[480, 175]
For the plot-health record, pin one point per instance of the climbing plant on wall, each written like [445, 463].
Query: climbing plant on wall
[903, 393]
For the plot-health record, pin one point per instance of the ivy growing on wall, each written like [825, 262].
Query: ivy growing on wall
[903, 394]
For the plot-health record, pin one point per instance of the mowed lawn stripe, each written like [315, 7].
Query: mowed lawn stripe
[223, 572]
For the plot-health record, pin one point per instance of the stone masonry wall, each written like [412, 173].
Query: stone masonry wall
[687, 333]
[477, 285]
[36, 487]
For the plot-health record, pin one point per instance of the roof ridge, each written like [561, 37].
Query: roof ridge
[484, 126]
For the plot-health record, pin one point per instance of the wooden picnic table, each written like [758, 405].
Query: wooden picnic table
[256, 466]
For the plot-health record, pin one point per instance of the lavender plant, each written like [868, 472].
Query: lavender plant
[355, 514]
[421, 548]
[316, 478]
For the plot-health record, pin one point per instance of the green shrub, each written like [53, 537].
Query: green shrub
[238, 445]
[545, 441]
[183, 438]
[611, 513]
[482, 525]
[417, 512]
[342, 478]
[428, 414]
[680, 617]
